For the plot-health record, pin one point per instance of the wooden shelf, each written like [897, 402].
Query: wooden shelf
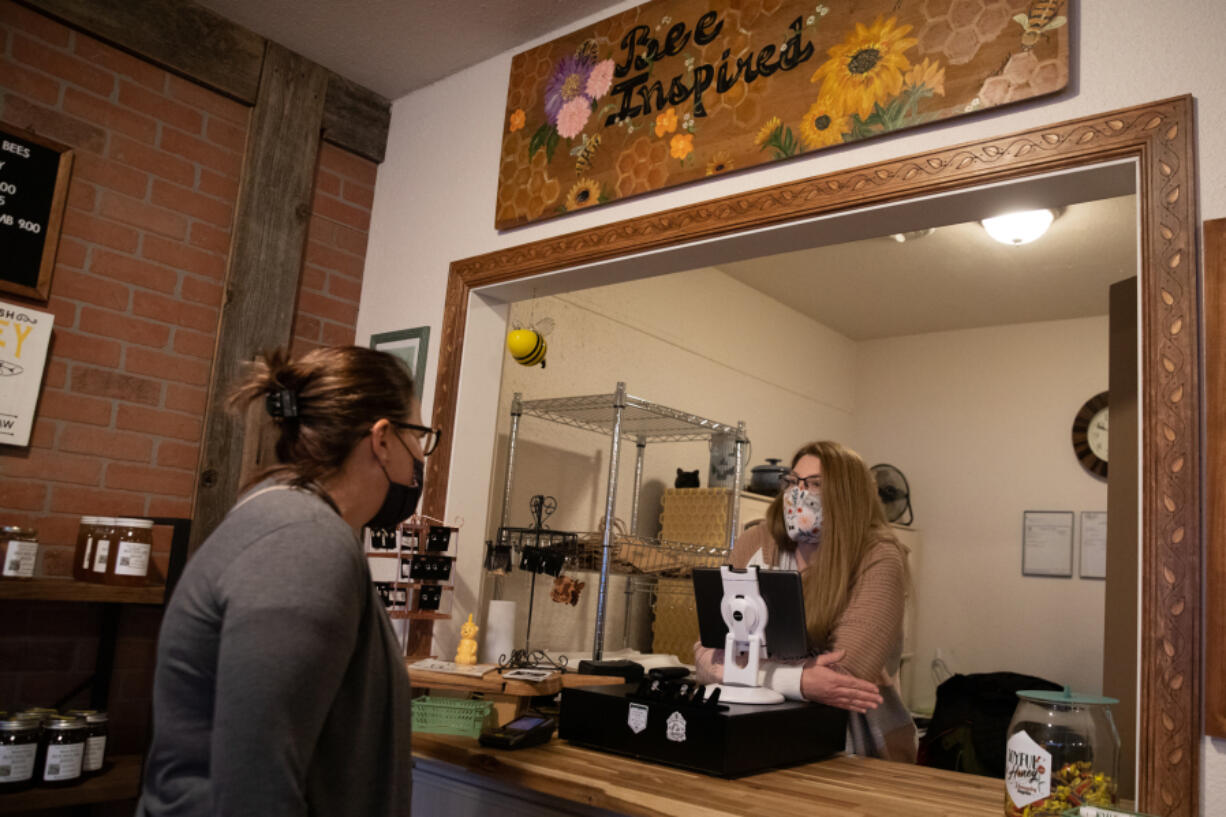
[423, 615]
[69, 590]
[119, 781]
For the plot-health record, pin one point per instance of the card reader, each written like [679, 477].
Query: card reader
[529, 729]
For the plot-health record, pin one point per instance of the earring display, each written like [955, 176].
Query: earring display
[411, 568]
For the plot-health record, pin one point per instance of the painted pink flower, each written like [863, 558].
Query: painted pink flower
[600, 80]
[573, 117]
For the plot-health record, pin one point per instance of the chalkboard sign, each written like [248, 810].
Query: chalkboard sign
[34, 176]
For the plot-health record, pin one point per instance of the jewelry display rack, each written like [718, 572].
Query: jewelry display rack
[622, 416]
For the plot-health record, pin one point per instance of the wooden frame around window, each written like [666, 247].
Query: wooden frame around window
[1159, 136]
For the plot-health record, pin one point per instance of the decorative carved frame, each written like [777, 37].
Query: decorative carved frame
[1160, 137]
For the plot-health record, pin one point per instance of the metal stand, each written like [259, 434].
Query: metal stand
[621, 415]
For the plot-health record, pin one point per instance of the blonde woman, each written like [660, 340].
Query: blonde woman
[827, 522]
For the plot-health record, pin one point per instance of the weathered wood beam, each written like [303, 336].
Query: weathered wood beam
[270, 226]
[180, 36]
[201, 45]
[356, 118]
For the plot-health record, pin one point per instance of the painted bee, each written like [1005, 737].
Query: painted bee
[585, 152]
[1040, 19]
[527, 344]
[587, 51]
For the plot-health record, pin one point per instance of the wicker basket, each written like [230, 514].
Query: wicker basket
[452, 716]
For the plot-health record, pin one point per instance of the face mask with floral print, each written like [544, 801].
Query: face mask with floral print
[802, 516]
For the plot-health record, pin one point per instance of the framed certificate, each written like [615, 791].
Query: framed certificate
[1047, 543]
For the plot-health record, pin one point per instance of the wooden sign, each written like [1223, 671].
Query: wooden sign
[674, 91]
[25, 336]
[34, 175]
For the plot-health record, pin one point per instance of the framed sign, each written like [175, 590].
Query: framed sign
[410, 345]
[674, 91]
[1093, 563]
[34, 175]
[1047, 543]
[25, 336]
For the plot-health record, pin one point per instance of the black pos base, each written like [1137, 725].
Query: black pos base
[728, 740]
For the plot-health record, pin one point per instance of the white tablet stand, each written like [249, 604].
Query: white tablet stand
[745, 614]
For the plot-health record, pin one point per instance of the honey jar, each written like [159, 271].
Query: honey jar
[103, 539]
[128, 565]
[62, 751]
[83, 555]
[20, 551]
[18, 749]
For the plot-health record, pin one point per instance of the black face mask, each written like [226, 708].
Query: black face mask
[401, 500]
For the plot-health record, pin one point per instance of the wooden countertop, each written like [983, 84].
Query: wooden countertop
[840, 787]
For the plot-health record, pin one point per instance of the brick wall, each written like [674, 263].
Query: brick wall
[336, 250]
[136, 295]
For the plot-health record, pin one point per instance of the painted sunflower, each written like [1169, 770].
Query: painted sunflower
[585, 193]
[866, 68]
[929, 73]
[767, 129]
[720, 163]
[824, 125]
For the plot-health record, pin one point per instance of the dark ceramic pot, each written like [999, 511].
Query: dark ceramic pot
[764, 479]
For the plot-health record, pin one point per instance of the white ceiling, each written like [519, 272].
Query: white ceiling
[957, 277]
[394, 47]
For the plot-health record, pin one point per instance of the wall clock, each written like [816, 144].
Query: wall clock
[1090, 435]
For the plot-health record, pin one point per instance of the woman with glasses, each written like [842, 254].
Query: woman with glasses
[280, 686]
[827, 522]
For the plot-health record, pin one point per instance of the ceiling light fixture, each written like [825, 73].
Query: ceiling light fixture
[1019, 228]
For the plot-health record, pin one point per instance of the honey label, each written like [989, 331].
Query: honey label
[95, 751]
[132, 559]
[102, 549]
[17, 762]
[63, 761]
[1027, 770]
[19, 558]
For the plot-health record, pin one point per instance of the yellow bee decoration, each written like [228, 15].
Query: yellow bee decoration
[1040, 18]
[527, 344]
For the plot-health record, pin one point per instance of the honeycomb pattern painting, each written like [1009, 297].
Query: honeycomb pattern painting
[608, 111]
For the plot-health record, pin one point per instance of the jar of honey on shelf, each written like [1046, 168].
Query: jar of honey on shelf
[101, 542]
[18, 748]
[62, 751]
[82, 559]
[20, 550]
[128, 565]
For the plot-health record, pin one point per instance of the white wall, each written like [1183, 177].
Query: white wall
[979, 421]
[434, 198]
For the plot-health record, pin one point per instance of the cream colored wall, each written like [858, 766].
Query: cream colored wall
[679, 340]
[979, 421]
[434, 203]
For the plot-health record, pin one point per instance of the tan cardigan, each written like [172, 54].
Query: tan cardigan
[870, 633]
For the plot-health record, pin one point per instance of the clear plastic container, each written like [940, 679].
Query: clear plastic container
[128, 565]
[83, 557]
[103, 544]
[20, 551]
[1062, 752]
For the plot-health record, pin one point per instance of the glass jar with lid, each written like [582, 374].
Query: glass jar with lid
[103, 541]
[18, 749]
[83, 555]
[62, 751]
[20, 551]
[128, 564]
[95, 741]
[1062, 752]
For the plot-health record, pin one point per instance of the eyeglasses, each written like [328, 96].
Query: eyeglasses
[428, 437]
[789, 481]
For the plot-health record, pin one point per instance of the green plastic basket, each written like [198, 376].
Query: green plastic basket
[452, 716]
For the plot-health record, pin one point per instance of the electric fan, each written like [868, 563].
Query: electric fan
[895, 493]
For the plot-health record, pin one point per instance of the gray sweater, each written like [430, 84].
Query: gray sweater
[280, 688]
